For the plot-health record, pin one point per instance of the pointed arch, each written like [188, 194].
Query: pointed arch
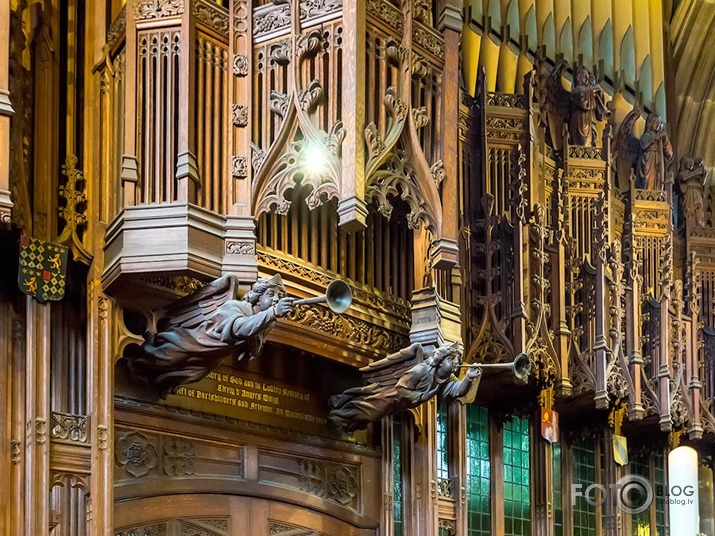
[585, 43]
[566, 41]
[605, 51]
[628, 58]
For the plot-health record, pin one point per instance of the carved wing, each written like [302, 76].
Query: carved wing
[558, 99]
[388, 370]
[191, 310]
[627, 149]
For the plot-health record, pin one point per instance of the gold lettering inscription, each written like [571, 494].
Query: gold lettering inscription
[254, 395]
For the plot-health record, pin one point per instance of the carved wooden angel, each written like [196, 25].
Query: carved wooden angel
[199, 330]
[581, 108]
[401, 381]
[650, 156]
[691, 178]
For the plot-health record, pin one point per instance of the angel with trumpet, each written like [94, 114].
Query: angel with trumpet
[406, 379]
[198, 331]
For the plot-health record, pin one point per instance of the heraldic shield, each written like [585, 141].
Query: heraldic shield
[43, 268]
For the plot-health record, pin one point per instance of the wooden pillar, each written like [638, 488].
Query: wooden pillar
[130, 166]
[187, 171]
[458, 463]
[6, 112]
[240, 225]
[542, 473]
[424, 472]
[351, 209]
[388, 481]
[613, 517]
[6, 372]
[17, 414]
[37, 417]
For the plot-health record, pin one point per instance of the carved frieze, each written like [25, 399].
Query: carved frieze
[335, 482]
[159, 529]
[239, 115]
[384, 11]
[235, 247]
[239, 167]
[136, 454]
[118, 28]
[156, 9]
[68, 427]
[429, 40]
[240, 65]
[211, 15]
[506, 100]
[271, 18]
[310, 9]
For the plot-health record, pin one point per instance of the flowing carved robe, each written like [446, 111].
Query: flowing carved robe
[357, 407]
[656, 152]
[587, 107]
[182, 355]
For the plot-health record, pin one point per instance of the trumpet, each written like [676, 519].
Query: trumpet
[338, 297]
[520, 367]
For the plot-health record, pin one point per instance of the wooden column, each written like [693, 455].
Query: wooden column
[240, 225]
[351, 209]
[542, 488]
[187, 172]
[388, 481]
[37, 417]
[130, 166]
[6, 112]
[458, 463]
[17, 414]
[6, 371]
[424, 472]
[450, 24]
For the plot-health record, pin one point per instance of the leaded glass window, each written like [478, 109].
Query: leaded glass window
[640, 523]
[398, 513]
[479, 518]
[517, 514]
[584, 473]
[442, 464]
[558, 492]
[659, 474]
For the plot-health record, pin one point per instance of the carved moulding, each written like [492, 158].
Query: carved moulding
[68, 427]
[156, 9]
[211, 15]
[279, 168]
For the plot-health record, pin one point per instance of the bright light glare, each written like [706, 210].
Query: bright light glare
[315, 159]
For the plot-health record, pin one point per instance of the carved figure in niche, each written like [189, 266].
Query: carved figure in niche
[691, 178]
[581, 108]
[650, 156]
[401, 381]
[199, 330]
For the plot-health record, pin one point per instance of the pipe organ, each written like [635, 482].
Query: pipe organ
[198, 160]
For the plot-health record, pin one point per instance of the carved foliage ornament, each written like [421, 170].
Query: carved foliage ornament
[155, 9]
[335, 482]
[211, 15]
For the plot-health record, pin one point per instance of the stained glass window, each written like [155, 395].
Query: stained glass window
[659, 474]
[398, 514]
[558, 494]
[640, 522]
[517, 514]
[479, 518]
[584, 473]
[442, 464]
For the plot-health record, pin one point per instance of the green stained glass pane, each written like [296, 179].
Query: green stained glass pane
[558, 493]
[398, 514]
[584, 473]
[479, 518]
[659, 474]
[517, 515]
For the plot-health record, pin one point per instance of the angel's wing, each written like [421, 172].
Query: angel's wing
[558, 99]
[627, 149]
[388, 370]
[191, 310]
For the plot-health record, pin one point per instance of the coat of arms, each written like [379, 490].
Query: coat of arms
[42, 270]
